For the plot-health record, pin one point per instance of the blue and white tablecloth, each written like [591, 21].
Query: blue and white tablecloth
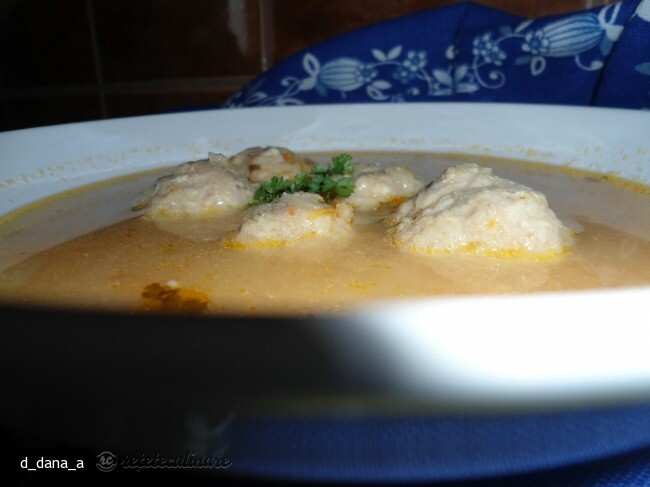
[467, 52]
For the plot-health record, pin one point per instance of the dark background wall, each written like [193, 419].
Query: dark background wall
[74, 60]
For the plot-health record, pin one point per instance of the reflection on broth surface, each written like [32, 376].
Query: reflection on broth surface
[184, 265]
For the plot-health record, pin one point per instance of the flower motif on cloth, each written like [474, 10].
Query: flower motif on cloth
[488, 50]
[406, 73]
[643, 11]
[570, 37]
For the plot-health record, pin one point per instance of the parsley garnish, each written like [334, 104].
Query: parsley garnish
[327, 181]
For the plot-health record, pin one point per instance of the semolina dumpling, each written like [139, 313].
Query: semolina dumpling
[468, 209]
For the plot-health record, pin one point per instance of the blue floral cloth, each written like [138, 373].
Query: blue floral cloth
[467, 52]
[464, 52]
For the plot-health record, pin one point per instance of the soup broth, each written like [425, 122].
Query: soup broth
[135, 264]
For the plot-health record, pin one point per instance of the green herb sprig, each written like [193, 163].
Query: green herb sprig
[327, 181]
